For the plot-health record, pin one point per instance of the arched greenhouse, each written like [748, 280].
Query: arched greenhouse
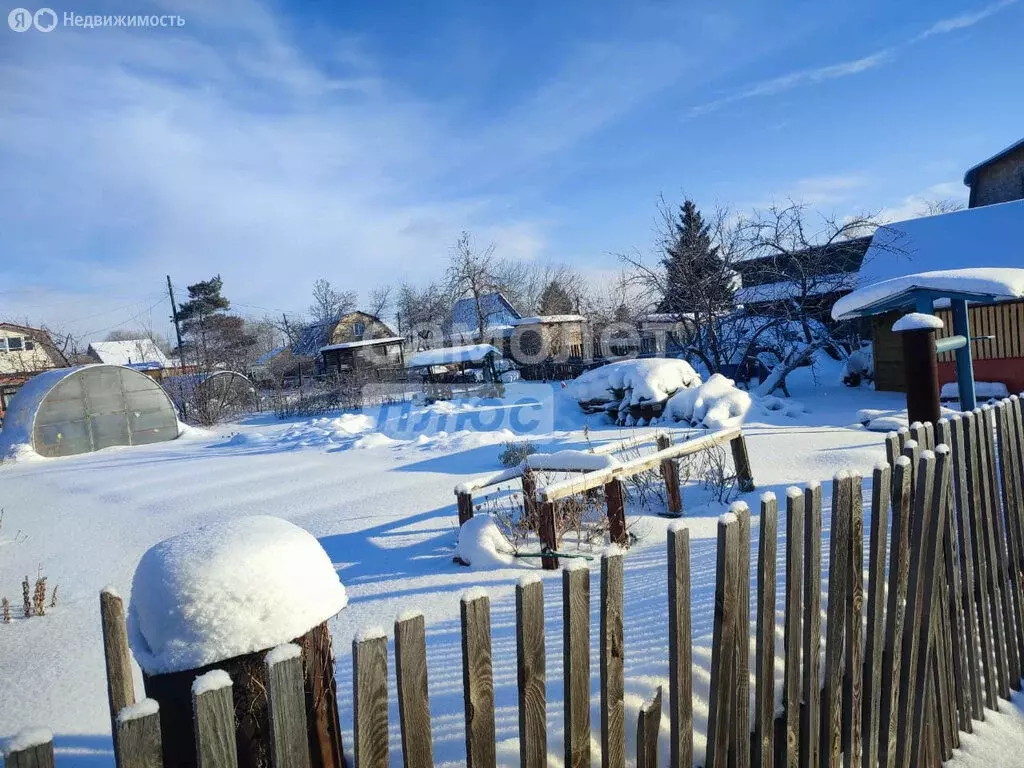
[76, 410]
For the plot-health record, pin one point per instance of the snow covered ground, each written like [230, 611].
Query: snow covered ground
[379, 498]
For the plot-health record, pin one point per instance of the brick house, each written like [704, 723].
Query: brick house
[999, 179]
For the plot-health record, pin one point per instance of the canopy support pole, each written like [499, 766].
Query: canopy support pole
[964, 364]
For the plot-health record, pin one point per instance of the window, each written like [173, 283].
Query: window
[14, 343]
[29, 345]
[359, 328]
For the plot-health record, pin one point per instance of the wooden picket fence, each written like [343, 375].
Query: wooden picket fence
[913, 655]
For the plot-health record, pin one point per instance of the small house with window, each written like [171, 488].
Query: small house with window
[24, 352]
[362, 341]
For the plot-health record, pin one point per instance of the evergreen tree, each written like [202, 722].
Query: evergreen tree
[196, 315]
[696, 276]
[555, 300]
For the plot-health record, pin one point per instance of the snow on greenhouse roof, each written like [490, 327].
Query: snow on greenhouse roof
[21, 410]
[472, 353]
[989, 236]
[979, 284]
[228, 589]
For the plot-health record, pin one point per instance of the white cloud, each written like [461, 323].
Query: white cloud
[918, 203]
[963, 21]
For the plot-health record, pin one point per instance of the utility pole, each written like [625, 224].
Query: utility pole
[174, 316]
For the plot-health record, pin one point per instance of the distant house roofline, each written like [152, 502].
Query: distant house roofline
[969, 175]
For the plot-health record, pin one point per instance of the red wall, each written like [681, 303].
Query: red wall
[1009, 370]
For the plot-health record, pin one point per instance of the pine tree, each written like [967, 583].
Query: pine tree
[555, 300]
[204, 302]
[695, 274]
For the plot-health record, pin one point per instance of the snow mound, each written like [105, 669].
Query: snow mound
[227, 589]
[27, 738]
[917, 321]
[213, 680]
[715, 404]
[137, 711]
[618, 387]
[482, 545]
[983, 390]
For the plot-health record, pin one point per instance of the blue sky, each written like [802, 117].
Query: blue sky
[279, 143]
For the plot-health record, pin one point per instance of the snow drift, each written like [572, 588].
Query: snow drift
[632, 389]
[715, 404]
[482, 545]
[227, 589]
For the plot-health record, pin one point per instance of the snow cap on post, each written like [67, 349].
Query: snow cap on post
[917, 321]
[228, 589]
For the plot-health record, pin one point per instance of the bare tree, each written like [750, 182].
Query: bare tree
[421, 312]
[472, 273]
[330, 304]
[943, 205]
[379, 300]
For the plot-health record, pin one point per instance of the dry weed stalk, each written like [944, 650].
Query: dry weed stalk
[53, 595]
[5, 611]
[26, 596]
[39, 597]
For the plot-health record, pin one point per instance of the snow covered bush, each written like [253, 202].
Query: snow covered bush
[631, 391]
[715, 404]
[482, 545]
[228, 589]
[514, 452]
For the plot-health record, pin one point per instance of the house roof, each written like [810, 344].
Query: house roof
[362, 343]
[969, 176]
[497, 310]
[547, 319]
[131, 352]
[840, 256]
[41, 337]
[989, 236]
[315, 336]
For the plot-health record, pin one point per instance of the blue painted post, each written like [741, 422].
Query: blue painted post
[964, 364]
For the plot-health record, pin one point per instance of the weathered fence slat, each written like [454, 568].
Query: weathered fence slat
[839, 573]
[912, 690]
[741, 459]
[477, 680]
[792, 635]
[39, 754]
[930, 566]
[576, 664]
[613, 717]
[881, 489]
[764, 651]
[899, 571]
[370, 699]
[670, 475]
[739, 749]
[810, 716]
[286, 705]
[723, 647]
[137, 742]
[615, 498]
[979, 553]
[120, 686]
[994, 570]
[413, 697]
[1011, 509]
[853, 680]
[548, 537]
[680, 658]
[647, 732]
[531, 674]
[213, 713]
[892, 448]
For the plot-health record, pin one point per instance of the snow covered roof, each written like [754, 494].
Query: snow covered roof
[490, 332]
[969, 176]
[496, 309]
[788, 289]
[978, 284]
[363, 343]
[543, 319]
[227, 589]
[129, 352]
[666, 317]
[989, 236]
[266, 357]
[472, 353]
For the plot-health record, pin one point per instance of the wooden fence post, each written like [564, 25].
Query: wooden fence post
[723, 647]
[529, 480]
[477, 680]
[213, 717]
[137, 743]
[810, 717]
[899, 575]
[548, 536]
[912, 690]
[576, 661]
[839, 572]
[413, 697]
[647, 732]
[286, 706]
[739, 748]
[892, 448]
[670, 474]
[615, 498]
[531, 673]
[120, 686]
[741, 459]
[792, 635]
[881, 489]
[764, 652]
[613, 718]
[853, 679]
[929, 532]
[680, 651]
[370, 699]
[465, 506]
[33, 748]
